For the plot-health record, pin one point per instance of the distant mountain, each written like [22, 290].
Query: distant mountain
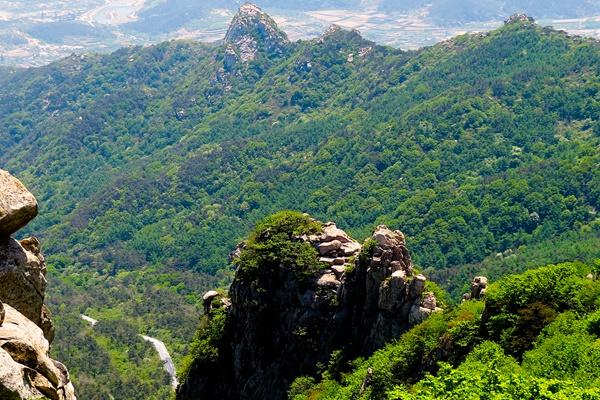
[151, 163]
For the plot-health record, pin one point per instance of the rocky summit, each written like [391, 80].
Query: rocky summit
[26, 330]
[251, 31]
[282, 321]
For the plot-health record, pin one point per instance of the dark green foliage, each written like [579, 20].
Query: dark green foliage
[205, 345]
[277, 241]
[518, 307]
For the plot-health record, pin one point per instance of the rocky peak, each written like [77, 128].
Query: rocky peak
[26, 330]
[250, 32]
[283, 321]
[519, 18]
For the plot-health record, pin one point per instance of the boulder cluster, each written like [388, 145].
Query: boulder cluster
[26, 330]
[281, 324]
[478, 288]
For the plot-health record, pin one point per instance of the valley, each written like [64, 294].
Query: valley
[152, 163]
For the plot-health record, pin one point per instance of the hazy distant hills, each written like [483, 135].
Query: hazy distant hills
[460, 11]
[35, 34]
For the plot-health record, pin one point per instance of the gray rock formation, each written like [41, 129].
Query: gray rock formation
[26, 330]
[519, 18]
[281, 324]
[478, 288]
[250, 31]
[26, 370]
[23, 272]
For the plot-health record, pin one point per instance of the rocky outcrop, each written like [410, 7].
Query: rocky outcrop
[519, 18]
[478, 288]
[281, 323]
[26, 370]
[26, 330]
[251, 31]
[23, 274]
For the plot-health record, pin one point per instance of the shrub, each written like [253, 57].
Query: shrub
[277, 241]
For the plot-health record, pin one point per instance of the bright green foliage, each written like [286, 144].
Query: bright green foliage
[146, 160]
[489, 374]
[560, 353]
[406, 360]
[277, 241]
[567, 350]
[204, 347]
[520, 306]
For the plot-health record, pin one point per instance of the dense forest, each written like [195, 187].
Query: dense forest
[534, 337]
[151, 163]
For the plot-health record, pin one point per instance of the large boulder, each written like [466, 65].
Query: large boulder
[26, 370]
[17, 205]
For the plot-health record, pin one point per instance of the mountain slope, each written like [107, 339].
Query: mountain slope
[152, 163]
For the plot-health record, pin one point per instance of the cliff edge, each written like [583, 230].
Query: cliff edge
[303, 291]
[26, 330]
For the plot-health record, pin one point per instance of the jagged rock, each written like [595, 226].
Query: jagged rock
[26, 370]
[251, 31]
[282, 324]
[230, 58]
[328, 247]
[207, 300]
[17, 205]
[23, 279]
[237, 252]
[417, 285]
[519, 17]
[429, 301]
[329, 280]
[478, 287]
[26, 329]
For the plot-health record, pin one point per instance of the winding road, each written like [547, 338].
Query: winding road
[160, 347]
[164, 355]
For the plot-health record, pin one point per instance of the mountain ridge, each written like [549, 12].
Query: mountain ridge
[150, 168]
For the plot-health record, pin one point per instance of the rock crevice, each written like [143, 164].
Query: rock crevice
[26, 330]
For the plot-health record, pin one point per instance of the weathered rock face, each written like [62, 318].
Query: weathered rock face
[26, 370]
[23, 274]
[519, 18]
[478, 288]
[250, 31]
[17, 205]
[281, 324]
[26, 330]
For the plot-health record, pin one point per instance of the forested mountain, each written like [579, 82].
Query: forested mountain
[151, 163]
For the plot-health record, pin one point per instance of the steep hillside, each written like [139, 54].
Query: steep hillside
[307, 301]
[151, 163]
[534, 336]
